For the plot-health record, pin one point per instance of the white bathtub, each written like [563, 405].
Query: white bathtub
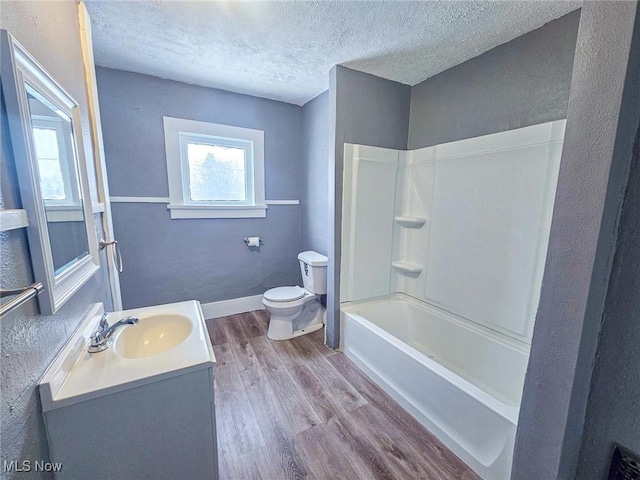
[462, 381]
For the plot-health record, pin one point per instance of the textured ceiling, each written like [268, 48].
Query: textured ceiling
[284, 50]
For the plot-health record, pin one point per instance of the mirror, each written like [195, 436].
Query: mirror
[52, 136]
[46, 139]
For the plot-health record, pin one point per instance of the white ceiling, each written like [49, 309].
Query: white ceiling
[284, 50]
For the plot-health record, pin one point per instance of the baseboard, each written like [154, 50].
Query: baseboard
[225, 308]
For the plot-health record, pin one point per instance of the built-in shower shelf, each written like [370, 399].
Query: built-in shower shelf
[407, 268]
[410, 222]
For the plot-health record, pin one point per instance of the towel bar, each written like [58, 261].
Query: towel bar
[23, 295]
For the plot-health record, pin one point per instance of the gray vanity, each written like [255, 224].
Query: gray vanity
[143, 408]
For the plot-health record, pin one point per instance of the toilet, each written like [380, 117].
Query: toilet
[297, 311]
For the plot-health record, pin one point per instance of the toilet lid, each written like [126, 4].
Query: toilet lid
[284, 294]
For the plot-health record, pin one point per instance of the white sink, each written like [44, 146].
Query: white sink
[169, 340]
[152, 336]
[154, 386]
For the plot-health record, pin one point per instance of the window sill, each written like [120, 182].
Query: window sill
[213, 211]
[72, 212]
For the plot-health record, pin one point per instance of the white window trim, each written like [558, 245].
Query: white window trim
[70, 209]
[178, 184]
[68, 171]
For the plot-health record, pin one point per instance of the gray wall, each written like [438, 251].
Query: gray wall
[602, 122]
[613, 411]
[29, 341]
[367, 110]
[315, 174]
[68, 241]
[204, 259]
[523, 82]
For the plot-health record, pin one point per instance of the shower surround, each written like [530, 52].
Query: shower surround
[443, 255]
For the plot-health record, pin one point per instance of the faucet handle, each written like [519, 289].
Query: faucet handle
[96, 339]
[97, 343]
[103, 321]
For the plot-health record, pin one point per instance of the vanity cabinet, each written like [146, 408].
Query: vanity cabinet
[164, 429]
[130, 413]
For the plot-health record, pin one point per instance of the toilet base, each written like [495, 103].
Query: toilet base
[310, 320]
[310, 329]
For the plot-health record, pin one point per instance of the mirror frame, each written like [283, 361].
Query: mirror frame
[17, 68]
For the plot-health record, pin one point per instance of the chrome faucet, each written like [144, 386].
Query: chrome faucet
[101, 338]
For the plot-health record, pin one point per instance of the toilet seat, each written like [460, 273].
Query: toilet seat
[285, 294]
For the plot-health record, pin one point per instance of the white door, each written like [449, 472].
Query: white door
[113, 262]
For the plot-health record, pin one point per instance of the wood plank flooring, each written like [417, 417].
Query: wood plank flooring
[295, 409]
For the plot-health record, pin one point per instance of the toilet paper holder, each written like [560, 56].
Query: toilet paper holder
[246, 241]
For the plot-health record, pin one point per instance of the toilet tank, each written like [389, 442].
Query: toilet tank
[313, 267]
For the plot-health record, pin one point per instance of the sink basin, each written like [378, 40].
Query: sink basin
[168, 339]
[153, 335]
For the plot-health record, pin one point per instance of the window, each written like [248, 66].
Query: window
[55, 175]
[47, 150]
[59, 182]
[215, 171]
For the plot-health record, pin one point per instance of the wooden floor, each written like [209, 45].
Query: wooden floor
[295, 409]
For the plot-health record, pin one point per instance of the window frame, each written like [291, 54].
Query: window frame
[70, 208]
[249, 178]
[177, 133]
[68, 171]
